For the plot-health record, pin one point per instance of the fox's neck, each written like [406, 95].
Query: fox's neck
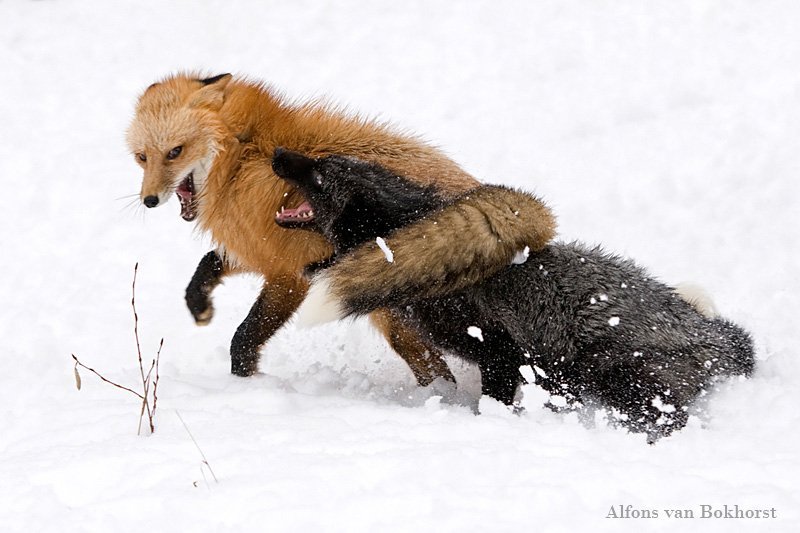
[249, 109]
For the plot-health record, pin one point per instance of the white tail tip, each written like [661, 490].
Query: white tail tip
[320, 306]
[697, 297]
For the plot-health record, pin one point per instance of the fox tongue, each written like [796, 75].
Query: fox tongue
[185, 193]
[302, 213]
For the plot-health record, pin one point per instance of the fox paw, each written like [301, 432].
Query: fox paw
[203, 318]
[200, 306]
[244, 365]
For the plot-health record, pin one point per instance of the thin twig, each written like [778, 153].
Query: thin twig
[205, 461]
[146, 379]
[155, 382]
[151, 414]
[145, 403]
[95, 372]
[141, 416]
[136, 319]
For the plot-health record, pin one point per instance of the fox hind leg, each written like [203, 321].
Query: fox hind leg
[425, 361]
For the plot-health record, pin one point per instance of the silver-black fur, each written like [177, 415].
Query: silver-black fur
[598, 328]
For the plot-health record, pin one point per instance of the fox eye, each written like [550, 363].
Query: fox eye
[175, 152]
[318, 178]
[141, 157]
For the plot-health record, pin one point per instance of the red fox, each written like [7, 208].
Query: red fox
[211, 140]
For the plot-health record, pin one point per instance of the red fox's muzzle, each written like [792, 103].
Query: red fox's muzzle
[185, 191]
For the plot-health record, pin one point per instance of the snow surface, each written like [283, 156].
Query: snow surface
[668, 131]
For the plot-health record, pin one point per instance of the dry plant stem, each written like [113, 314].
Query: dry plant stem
[155, 381]
[96, 373]
[146, 379]
[145, 403]
[205, 461]
[145, 383]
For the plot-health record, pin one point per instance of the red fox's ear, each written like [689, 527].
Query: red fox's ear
[214, 79]
[212, 94]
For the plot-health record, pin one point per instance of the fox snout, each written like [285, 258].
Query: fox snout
[291, 165]
[157, 183]
[157, 188]
[153, 195]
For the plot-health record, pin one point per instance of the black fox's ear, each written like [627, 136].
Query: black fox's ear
[214, 79]
[212, 93]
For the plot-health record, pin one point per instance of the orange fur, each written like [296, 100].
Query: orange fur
[228, 130]
[239, 123]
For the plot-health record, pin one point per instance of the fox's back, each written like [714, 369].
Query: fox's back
[569, 297]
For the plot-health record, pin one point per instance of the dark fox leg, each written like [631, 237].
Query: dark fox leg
[279, 298]
[500, 378]
[425, 361]
[499, 364]
[207, 276]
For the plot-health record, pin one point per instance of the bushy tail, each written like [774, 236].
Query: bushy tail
[467, 241]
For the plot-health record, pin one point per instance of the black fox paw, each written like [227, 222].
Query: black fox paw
[244, 367]
[204, 317]
[200, 306]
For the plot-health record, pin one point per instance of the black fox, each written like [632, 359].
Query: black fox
[598, 328]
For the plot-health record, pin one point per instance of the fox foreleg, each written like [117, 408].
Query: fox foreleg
[207, 276]
[279, 298]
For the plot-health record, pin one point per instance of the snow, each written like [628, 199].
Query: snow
[613, 321]
[661, 406]
[527, 373]
[385, 249]
[476, 332]
[521, 256]
[667, 131]
[558, 401]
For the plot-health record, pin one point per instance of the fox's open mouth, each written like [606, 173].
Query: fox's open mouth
[185, 192]
[299, 217]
